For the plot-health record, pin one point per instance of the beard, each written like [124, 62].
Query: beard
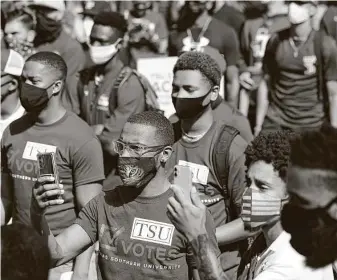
[310, 236]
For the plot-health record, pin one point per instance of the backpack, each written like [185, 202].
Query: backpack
[220, 159]
[274, 42]
[151, 98]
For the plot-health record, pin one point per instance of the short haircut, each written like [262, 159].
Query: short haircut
[22, 15]
[164, 128]
[24, 253]
[272, 148]
[201, 62]
[53, 61]
[316, 149]
[112, 19]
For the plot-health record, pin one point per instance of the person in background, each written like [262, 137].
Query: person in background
[48, 128]
[210, 148]
[271, 256]
[222, 111]
[51, 36]
[136, 237]
[254, 38]
[24, 253]
[329, 20]
[196, 29]
[11, 69]
[105, 102]
[310, 217]
[300, 66]
[19, 31]
[147, 32]
[230, 16]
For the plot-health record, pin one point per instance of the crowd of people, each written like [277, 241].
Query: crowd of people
[98, 183]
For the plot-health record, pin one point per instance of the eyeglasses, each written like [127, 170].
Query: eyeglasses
[136, 149]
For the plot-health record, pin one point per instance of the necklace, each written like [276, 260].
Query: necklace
[295, 48]
[192, 138]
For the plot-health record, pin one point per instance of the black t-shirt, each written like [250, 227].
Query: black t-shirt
[219, 36]
[136, 238]
[78, 156]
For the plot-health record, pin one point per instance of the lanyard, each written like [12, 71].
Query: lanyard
[202, 32]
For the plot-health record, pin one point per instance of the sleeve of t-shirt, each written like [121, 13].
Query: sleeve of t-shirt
[88, 163]
[230, 48]
[237, 172]
[88, 217]
[330, 59]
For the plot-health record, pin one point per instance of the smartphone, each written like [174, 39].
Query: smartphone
[47, 166]
[182, 177]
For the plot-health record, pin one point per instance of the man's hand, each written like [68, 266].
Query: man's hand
[187, 212]
[246, 81]
[46, 193]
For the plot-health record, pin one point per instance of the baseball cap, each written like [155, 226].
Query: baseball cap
[12, 62]
[55, 5]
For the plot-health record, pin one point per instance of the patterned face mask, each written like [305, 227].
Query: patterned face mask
[259, 209]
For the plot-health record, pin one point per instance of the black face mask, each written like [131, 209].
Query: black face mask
[47, 30]
[189, 108]
[313, 234]
[136, 172]
[33, 99]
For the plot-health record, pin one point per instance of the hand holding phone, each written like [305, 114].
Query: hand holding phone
[47, 168]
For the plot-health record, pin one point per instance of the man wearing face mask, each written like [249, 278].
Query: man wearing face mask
[196, 29]
[254, 38]
[136, 237]
[48, 128]
[11, 69]
[147, 31]
[108, 92]
[271, 255]
[212, 149]
[300, 67]
[311, 216]
[19, 31]
[51, 36]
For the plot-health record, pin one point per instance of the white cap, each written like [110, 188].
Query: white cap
[56, 5]
[12, 62]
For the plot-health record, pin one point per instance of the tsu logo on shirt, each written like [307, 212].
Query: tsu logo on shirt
[152, 231]
[309, 63]
[33, 148]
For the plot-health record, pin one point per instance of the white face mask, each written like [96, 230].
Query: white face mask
[102, 54]
[298, 14]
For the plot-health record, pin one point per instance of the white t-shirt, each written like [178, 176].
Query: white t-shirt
[281, 262]
[5, 122]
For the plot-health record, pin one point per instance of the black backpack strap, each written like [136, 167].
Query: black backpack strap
[321, 87]
[221, 160]
[123, 76]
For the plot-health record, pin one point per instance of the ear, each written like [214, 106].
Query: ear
[215, 93]
[31, 36]
[57, 87]
[13, 85]
[333, 211]
[165, 155]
